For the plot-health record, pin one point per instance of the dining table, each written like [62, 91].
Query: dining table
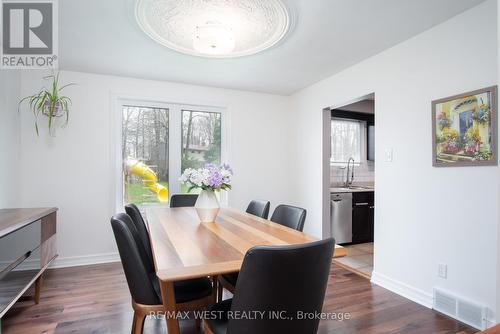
[185, 248]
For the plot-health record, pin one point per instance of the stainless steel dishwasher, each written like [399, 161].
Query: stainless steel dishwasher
[341, 217]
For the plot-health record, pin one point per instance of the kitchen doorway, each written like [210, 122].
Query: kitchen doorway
[349, 181]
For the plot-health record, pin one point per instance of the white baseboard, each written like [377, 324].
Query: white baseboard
[491, 323]
[402, 289]
[73, 261]
[411, 293]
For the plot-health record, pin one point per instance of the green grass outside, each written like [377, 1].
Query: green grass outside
[138, 194]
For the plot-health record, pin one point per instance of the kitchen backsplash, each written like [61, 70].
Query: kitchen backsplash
[362, 174]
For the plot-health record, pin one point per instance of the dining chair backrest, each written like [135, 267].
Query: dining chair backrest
[138, 271]
[259, 208]
[282, 281]
[290, 216]
[183, 200]
[133, 211]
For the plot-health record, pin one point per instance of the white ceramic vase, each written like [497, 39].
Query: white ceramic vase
[207, 206]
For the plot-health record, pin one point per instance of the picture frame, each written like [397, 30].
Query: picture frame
[464, 129]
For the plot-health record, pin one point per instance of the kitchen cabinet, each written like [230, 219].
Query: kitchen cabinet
[370, 142]
[362, 217]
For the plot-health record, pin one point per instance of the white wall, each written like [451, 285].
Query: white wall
[498, 226]
[74, 170]
[10, 182]
[424, 215]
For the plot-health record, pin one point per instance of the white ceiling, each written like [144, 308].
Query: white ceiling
[102, 36]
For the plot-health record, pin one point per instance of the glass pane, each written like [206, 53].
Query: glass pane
[201, 140]
[145, 155]
[346, 141]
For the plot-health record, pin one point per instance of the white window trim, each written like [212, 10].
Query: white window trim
[175, 141]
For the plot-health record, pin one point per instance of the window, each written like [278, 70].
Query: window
[201, 140]
[346, 141]
[158, 142]
[145, 154]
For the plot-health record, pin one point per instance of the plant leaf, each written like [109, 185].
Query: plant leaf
[67, 85]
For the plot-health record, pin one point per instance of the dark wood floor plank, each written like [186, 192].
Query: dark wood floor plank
[95, 299]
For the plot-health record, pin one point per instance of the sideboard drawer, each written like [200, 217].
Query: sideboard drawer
[19, 244]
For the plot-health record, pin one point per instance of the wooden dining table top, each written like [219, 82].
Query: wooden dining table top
[184, 248]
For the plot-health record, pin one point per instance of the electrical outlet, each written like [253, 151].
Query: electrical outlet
[442, 270]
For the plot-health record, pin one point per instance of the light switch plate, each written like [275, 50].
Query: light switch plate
[388, 154]
[442, 270]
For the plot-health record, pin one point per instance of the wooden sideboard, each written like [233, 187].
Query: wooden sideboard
[27, 247]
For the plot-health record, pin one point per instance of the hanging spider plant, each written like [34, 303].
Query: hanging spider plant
[49, 103]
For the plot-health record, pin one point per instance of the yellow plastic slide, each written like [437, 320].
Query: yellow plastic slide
[149, 178]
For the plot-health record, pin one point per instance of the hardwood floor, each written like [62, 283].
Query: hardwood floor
[95, 299]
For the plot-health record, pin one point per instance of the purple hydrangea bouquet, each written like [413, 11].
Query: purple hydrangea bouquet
[209, 178]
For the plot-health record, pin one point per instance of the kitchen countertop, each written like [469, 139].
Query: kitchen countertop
[356, 189]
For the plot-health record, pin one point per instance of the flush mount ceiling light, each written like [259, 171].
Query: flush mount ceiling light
[214, 39]
[214, 28]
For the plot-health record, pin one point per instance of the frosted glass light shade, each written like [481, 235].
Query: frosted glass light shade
[213, 39]
[216, 28]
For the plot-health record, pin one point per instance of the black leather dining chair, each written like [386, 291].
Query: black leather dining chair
[290, 216]
[183, 200]
[140, 225]
[259, 208]
[287, 215]
[281, 282]
[142, 281]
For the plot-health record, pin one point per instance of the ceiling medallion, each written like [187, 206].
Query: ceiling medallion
[214, 28]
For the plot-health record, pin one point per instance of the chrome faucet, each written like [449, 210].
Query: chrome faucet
[348, 182]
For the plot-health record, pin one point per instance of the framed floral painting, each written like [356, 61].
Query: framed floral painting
[464, 129]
